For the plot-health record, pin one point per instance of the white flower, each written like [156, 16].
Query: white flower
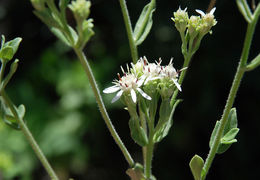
[170, 72]
[203, 14]
[129, 83]
[151, 71]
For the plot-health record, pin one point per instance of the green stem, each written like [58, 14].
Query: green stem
[233, 91]
[149, 151]
[2, 71]
[186, 63]
[29, 137]
[133, 47]
[86, 66]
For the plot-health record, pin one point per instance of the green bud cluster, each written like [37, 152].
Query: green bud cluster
[193, 29]
[80, 9]
[195, 25]
[181, 19]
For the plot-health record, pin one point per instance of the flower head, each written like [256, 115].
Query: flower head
[181, 19]
[207, 20]
[170, 72]
[129, 83]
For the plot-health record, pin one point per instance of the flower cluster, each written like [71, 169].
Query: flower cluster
[145, 78]
[196, 25]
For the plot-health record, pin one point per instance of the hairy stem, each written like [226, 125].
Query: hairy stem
[232, 94]
[102, 108]
[129, 30]
[149, 150]
[29, 137]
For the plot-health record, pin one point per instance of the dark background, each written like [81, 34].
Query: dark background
[64, 118]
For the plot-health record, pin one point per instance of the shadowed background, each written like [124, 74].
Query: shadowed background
[63, 116]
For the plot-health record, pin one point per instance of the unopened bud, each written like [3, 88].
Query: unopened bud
[181, 19]
[194, 26]
[80, 9]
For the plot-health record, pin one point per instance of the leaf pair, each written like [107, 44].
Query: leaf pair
[229, 134]
[227, 139]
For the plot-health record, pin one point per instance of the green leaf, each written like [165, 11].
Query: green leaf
[6, 53]
[229, 137]
[213, 134]
[144, 23]
[232, 120]
[14, 44]
[244, 9]
[196, 166]
[165, 120]
[46, 18]
[9, 48]
[60, 35]
[137, 132]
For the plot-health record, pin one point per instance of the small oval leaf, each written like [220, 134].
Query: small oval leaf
[196, 166]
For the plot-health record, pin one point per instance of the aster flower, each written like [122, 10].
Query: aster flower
[151, 71]
[170, 72]
[128, 83]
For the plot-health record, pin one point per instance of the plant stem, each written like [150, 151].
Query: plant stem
[149, 151]
[102, 108]
[133, 47]
[186, 63]
[232, 94]
[2, 70]
[29, 137]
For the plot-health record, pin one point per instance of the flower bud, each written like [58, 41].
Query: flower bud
[181, 19]
[207, 21]
[80, 9]
[194, 26]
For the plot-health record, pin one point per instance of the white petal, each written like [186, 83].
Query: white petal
[212, 11]
[111, 89]
[118, 95]
[140, 82]
[133, 95]
[177, 84]
[144, 94]
[200, 12]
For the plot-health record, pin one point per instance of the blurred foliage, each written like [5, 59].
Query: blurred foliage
[63, 116]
